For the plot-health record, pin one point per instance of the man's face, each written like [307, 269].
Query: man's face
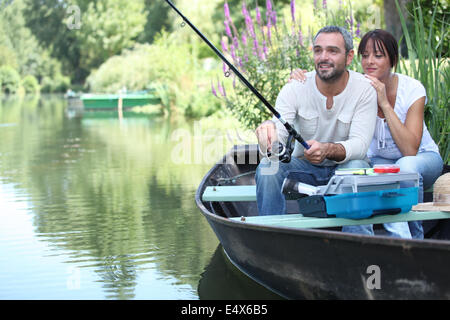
[329, 56]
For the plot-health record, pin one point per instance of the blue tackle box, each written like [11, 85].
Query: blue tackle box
[366, 204]
[357, 196]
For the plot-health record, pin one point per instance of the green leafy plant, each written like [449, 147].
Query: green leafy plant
[9, 79]
[429, 63]
[30, 84]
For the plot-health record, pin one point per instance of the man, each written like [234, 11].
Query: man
[334, 110]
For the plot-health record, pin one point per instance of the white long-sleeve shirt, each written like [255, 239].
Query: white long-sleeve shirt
[350, 121]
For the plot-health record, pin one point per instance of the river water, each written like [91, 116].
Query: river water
[94, 206]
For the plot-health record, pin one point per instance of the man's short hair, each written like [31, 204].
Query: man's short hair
[336, 29]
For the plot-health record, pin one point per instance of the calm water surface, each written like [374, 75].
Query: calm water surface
[93, 207]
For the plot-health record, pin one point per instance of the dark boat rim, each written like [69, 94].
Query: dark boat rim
[317, 233]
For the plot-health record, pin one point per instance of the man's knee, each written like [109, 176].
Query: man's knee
[267, 169]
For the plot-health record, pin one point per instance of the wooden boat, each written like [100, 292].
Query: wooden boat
[310, 258]
[111, 101]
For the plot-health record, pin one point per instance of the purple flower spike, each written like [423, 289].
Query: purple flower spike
[227, 11]
[274, 18]
[223, 91]
[293, 10]
[265, 50]
[358, 31]
[220, 88]
[258, 16]
[244, 39]
[324, 4]
[269, 33]
[224, 45]
[244, 10]
[269, 11]
[227, 29]
[213, 89]
[255, 47]
[269, 6]
[235, 43]
[250, 28]
[233, 52]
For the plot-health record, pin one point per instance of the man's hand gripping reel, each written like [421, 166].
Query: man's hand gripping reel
[284, 152]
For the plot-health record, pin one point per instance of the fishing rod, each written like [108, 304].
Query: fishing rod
[292, 132]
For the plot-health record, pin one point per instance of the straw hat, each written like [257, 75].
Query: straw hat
[441, 196]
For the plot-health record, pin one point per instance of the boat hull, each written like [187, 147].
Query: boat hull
[301, 263]
[314, 264]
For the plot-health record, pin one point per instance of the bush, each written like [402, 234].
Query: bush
[55, 84]
[128, 70]
[30, 85]
[9, 80]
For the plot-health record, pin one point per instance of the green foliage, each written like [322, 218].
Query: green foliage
[108, 27]
[82, 40]
[19, 49]
[30, 84]
[58, 83]
[126, 70]
[170, 65]
[9, 80]
[157, 20]
[435, 14]
[428, 63]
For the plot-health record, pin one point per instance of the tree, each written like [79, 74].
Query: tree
[392, 19]
[106, 27]
[45, 19]
[157, 19]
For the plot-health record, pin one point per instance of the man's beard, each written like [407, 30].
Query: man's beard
[331, 75]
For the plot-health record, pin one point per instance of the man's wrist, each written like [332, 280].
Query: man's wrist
[335, 151]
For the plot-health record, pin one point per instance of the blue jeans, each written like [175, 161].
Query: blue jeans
[429, 167]
[270, 176]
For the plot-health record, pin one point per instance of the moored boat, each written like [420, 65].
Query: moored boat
[111, 101]
[299, 257]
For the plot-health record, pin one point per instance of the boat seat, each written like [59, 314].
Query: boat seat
[230, 193]
[299, 221]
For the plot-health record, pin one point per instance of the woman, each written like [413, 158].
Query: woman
[401, 136]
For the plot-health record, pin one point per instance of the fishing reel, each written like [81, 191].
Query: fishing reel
[284, 152]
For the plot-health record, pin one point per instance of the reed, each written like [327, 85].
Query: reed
[429, 63]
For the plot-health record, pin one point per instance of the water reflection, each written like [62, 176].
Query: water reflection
[223, 281]
[104, 197]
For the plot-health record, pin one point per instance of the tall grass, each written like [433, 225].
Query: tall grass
[428, 63]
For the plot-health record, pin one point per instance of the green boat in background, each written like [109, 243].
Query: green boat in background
[111, 101]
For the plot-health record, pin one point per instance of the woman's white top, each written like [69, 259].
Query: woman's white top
[409, 91]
